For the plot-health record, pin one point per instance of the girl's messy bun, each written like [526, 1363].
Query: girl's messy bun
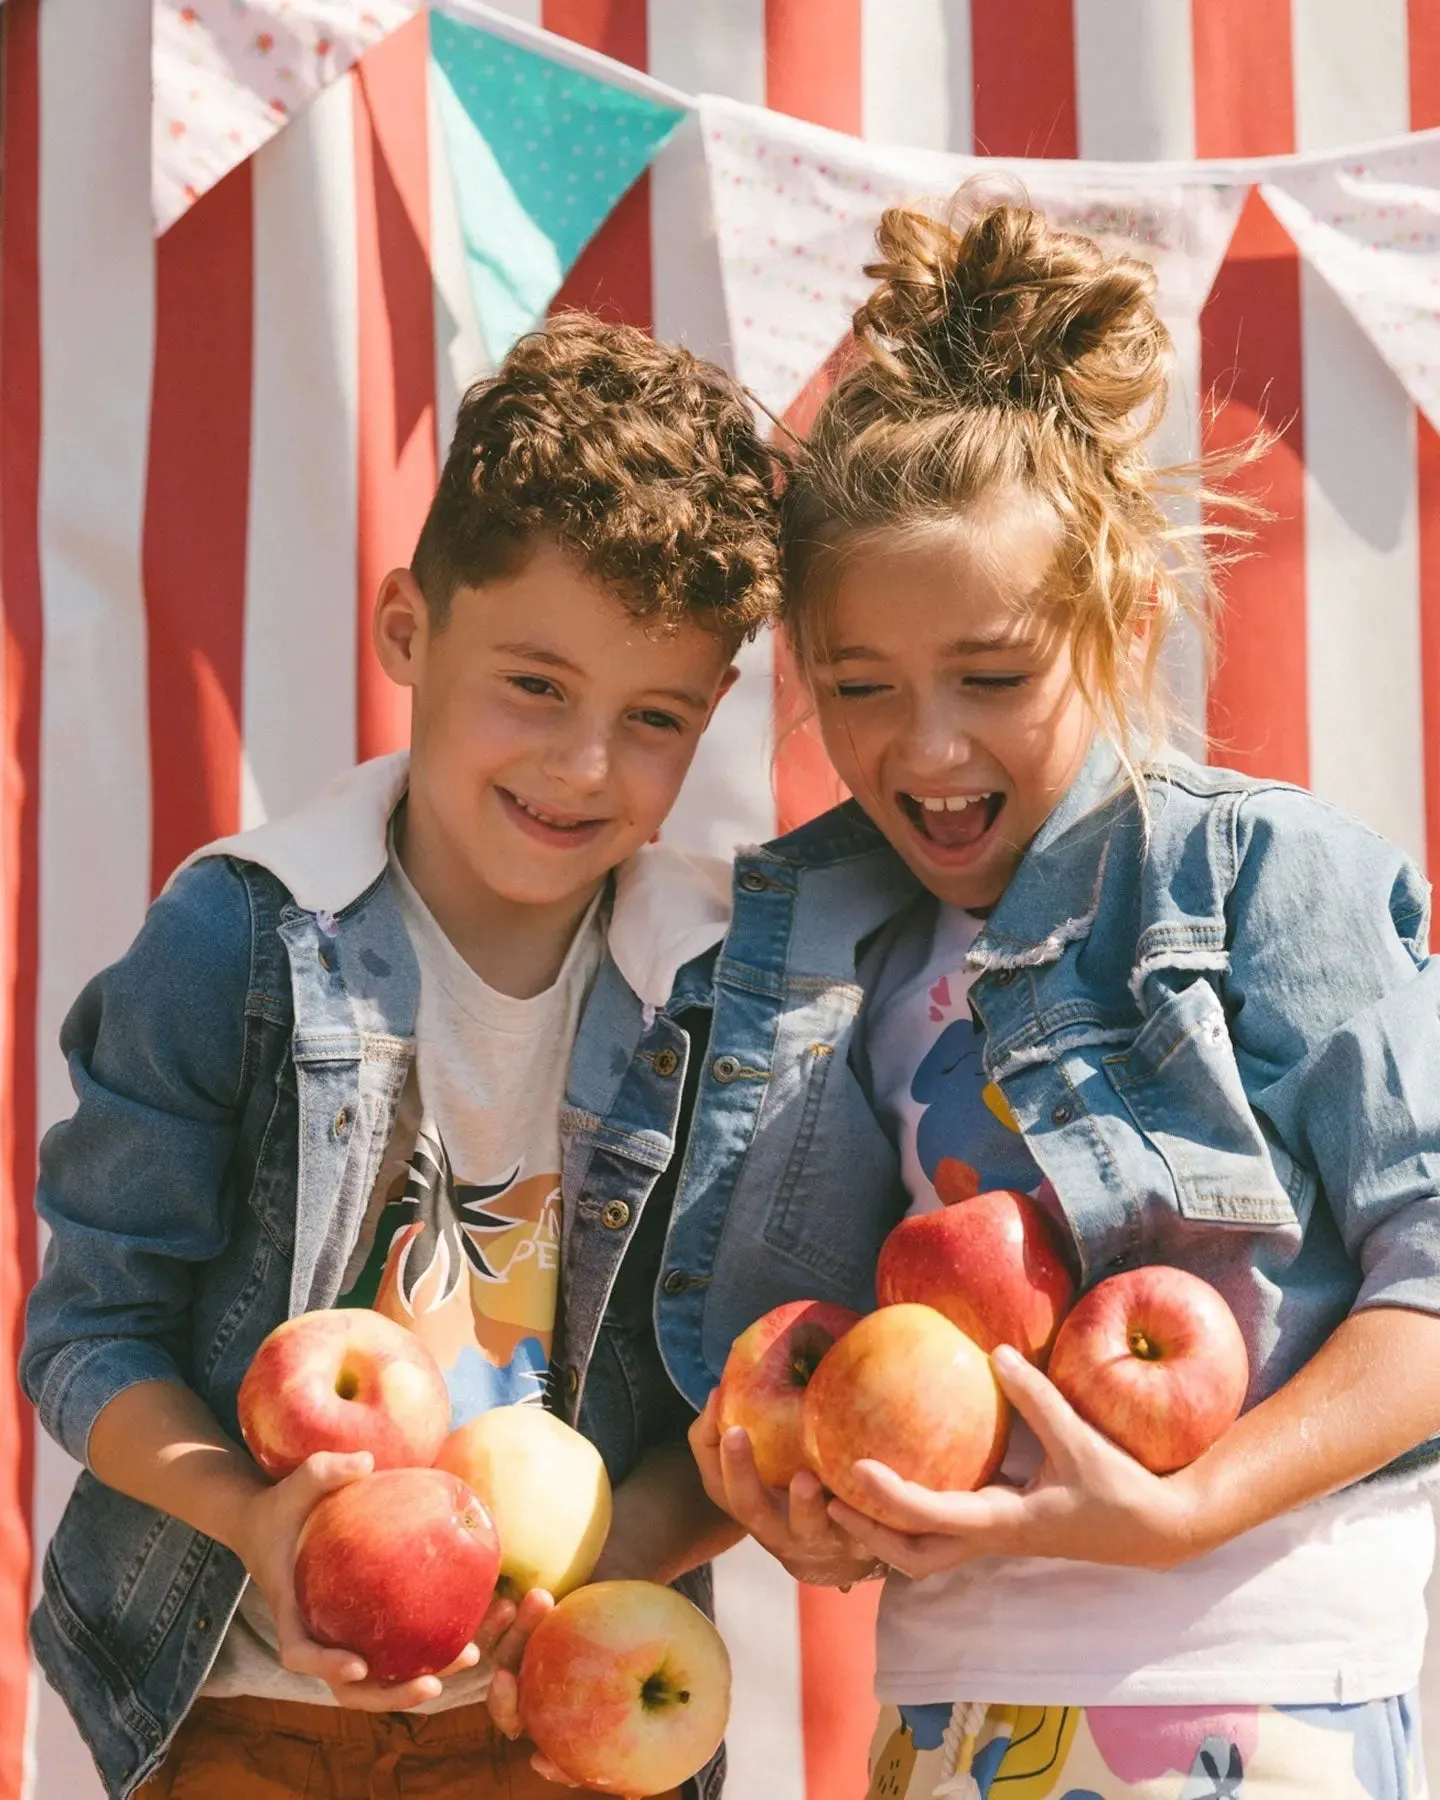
[1008, 311]
[999, 355]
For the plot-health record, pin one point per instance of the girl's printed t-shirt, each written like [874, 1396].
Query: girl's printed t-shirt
[1322, 1605]
[461, 1238]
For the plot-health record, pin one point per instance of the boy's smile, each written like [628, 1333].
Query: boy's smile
[551, 733]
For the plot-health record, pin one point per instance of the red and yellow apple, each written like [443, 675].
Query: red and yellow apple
[545, 1487]
[626, 1688]
[345, 1379]
[906, 1388]
[993, 1265]
[766, 1374]
[399, 1567]
[1155, 1360]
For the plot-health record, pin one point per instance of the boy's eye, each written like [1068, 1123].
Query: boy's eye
[658, 721]
[539, 685]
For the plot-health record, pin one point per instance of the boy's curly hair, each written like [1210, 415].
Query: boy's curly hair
[640, 459]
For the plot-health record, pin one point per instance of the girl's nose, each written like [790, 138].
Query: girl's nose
[936, 740]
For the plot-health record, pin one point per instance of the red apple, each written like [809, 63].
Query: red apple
[908, 1389]
[399, 1567]
[1155, 1360]
[626, 1688]
[766, 1374]
[993, 1265]
[346, 1379]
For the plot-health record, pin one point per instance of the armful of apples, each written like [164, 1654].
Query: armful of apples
[904, 1416]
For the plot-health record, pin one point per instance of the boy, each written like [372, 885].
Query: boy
[331, 1071]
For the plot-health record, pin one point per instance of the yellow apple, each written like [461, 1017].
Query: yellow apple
[545, 1487]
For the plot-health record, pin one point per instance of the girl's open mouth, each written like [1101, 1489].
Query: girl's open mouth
[953, 823]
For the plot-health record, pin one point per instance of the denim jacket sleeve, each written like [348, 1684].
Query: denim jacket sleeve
[1335, 1016]
[131, 1186]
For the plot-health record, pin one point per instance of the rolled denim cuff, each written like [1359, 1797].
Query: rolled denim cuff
[86, 1376]
[1401, 1260]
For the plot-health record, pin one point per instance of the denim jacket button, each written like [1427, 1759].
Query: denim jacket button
[615, 1215]
[341, 1122]
[725, 1068]
[572, 1382]
[1004, 978]
[753, 881]
[676, 1282]
[666, 1062]
[326, 956]
[1062, 1114]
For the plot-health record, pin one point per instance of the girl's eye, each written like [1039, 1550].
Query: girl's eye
[658, 721]
[539, 685]
[995, 684]
[857, 690]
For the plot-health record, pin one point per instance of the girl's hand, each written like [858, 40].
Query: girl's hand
[267, 1542]
[1090, 1502]
[795, 1527]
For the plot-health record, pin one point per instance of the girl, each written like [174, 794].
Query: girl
[1192, 1012]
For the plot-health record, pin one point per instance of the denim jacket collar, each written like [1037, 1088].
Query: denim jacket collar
[670, 906]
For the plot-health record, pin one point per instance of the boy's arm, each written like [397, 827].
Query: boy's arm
[664, 1523]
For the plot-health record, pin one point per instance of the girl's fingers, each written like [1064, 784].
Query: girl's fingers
[388, 1696]
[333, 1667]
[1063, 1434]
[810, 1522]
[747, 1499]
[497, 1621]
[915, 1556]
[547, 1771]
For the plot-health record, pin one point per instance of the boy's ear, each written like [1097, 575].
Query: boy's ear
[400, 627]
[727, 681]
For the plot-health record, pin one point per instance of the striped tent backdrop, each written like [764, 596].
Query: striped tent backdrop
[212, 448]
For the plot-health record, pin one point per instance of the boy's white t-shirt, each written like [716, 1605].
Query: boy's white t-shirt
[461, 1238]
[1322, 1605]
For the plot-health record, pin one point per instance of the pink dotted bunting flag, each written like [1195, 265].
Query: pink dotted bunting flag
[1369, 223]
[229, 74]
[796, 207]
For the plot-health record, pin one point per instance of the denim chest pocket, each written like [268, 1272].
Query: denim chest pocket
[1181, 1085]
[835, 1185]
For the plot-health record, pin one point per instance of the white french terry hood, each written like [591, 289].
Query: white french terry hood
[670, 905]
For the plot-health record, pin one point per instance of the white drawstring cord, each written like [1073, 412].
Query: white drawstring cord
[966, 1720]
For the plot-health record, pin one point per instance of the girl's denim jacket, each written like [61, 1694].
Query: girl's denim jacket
[237, 1076]
[1219, 1032]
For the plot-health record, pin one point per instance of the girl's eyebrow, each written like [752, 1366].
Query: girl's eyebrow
[981, 646]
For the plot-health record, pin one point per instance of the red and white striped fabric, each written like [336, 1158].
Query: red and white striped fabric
[213, 447]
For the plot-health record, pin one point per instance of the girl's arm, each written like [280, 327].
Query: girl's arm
[1370, 1393]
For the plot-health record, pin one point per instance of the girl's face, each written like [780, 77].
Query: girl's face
[948, 704]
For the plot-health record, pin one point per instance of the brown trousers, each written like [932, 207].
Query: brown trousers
[279, 1750]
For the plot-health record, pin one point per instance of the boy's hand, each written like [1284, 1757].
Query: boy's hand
[795, 1528]
[508, 1629]
[270, 1533]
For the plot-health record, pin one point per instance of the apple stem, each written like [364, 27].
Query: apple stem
[1142, 1347]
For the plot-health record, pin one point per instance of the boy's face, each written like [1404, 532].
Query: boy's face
[551, 729]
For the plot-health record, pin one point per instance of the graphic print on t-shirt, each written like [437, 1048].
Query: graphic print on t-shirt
[966, 1137]
[471, 1268]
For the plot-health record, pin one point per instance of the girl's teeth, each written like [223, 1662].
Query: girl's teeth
[949, 803]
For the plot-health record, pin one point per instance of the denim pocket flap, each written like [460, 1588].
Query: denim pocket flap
[1181, 1084]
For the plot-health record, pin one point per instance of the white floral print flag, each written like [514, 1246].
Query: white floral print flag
[229, 74]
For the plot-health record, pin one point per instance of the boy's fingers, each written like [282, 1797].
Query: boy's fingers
[327, 1470]
[1060, 1429]
[504, 1699]
[388, 1696]
[302, 1656]
[498, 1619]
[511, 1647]
[746, 1496]
[547, 1771]
[467, 1659]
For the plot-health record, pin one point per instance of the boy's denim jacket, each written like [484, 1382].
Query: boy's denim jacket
[1221, 1038]
[238, 1073]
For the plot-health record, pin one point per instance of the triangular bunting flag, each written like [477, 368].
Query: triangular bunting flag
[796, 208]
[1369, 223]
[228, 77]
[540, 150]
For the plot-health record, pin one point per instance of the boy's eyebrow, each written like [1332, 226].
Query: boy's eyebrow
[552, 659]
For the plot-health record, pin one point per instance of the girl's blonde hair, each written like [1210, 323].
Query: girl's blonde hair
[997, 354]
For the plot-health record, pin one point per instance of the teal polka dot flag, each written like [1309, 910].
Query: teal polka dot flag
[539, 154]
